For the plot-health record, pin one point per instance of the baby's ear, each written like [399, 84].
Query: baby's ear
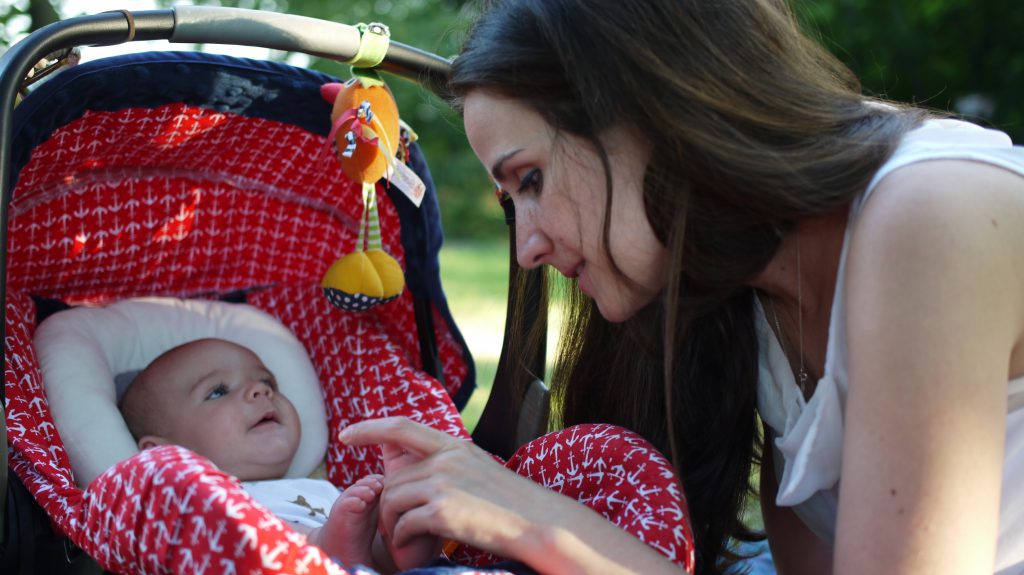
[147, 441]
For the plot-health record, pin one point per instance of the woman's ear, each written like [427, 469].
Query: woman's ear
[147, 441]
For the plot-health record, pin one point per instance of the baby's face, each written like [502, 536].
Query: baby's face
[219, 400]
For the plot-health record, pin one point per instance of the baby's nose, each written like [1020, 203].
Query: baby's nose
[259, 389]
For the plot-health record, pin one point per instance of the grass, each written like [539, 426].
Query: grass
[475, 279]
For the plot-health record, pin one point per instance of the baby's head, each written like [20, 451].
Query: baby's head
[219, 400]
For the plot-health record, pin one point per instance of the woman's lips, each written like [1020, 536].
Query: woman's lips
[571, 273]
[582, 280]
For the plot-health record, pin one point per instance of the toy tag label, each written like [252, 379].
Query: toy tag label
[410, 184]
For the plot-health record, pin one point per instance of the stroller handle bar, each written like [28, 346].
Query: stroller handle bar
[197, 24]
[207, 24]
[193, 24]
[218, 25]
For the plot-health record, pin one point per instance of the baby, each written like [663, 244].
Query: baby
[218, 399]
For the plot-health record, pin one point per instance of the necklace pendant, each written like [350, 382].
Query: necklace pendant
[802, 378]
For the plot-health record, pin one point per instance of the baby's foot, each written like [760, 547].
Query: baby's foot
[350, 528]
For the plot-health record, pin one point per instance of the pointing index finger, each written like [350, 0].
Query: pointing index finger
[410, 435]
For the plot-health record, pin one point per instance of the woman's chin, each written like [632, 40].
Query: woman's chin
[620, 309]
[613, 313]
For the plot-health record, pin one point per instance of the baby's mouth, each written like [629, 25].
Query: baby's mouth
[268, 418]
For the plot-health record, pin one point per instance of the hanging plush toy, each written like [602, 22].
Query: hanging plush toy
[365, 130]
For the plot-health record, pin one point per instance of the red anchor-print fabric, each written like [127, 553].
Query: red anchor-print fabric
[616, 473]
[189, 202]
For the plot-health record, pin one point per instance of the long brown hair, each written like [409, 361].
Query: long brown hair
[752, 126]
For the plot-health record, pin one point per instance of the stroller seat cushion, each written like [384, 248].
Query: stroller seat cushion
[82, 351]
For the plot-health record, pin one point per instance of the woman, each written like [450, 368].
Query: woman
[702, 171]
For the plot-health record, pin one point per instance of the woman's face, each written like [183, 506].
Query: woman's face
[557, 184]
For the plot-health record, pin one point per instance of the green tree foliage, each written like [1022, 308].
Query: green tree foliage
[23, 15]
[965, 56]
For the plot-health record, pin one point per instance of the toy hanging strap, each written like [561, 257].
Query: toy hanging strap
[373, 239]
[369, 221]
[374, 39]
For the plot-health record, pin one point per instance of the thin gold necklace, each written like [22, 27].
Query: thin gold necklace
[801, 376]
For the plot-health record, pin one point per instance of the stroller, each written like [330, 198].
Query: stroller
[204, 177]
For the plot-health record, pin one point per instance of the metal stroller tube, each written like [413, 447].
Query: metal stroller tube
[203, 24]
[212, 25]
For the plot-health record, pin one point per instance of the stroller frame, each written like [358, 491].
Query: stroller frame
[517, 407]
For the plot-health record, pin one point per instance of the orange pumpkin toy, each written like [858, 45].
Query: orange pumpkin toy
[369, 159]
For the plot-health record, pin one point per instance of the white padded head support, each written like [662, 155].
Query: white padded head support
[81, 350]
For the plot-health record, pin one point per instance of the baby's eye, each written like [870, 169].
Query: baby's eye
[220, 391]
[531, 182]
[271, 383]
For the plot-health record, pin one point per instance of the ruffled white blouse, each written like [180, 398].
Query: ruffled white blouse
[809, 434]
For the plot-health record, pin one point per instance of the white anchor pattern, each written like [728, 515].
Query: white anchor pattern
[616, 473]
[191, 202]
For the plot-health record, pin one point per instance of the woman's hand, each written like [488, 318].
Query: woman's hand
[450, 489]
[458, 491]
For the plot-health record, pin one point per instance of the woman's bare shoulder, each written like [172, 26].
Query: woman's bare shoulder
[950, 184]
[939, 233]
[958, 201]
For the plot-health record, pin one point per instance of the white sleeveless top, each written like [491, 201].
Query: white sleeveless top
[808, 448]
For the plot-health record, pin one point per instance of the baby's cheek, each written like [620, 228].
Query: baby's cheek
[294, 423]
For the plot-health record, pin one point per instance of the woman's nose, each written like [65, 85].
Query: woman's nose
[533, 246]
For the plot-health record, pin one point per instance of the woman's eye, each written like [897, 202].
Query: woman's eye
[220, 391]
[531, 182]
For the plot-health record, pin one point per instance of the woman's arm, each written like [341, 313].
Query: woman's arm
[796, 550]
[460, 492]
[935, 312]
